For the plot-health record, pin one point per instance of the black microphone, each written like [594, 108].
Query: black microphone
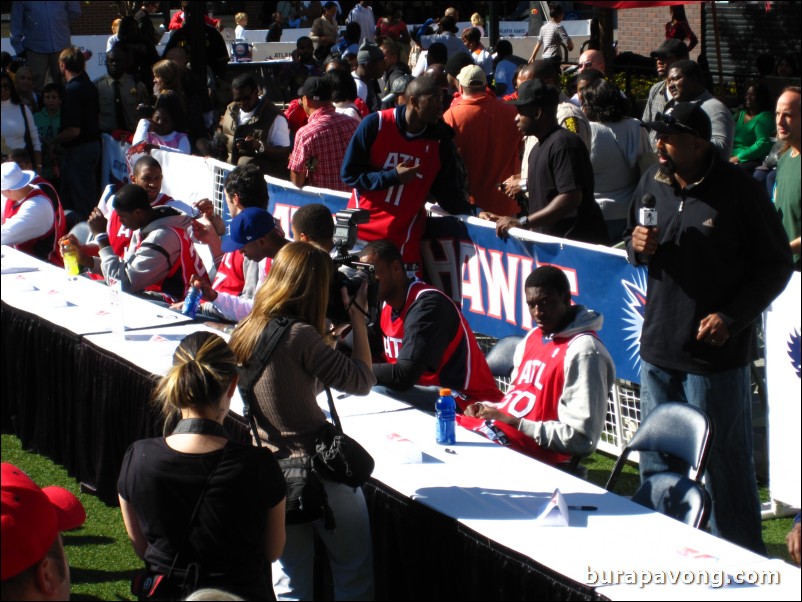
[648, 212]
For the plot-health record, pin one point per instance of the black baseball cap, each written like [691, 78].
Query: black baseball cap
[315, 88]
[671, 49]
[682, 118]
[535, 93]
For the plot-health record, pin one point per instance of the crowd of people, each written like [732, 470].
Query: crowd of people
[399, 118]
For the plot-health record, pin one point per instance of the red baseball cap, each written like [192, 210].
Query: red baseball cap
[32, 518]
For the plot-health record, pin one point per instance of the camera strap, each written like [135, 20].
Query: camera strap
[250, 372]
[200, 426]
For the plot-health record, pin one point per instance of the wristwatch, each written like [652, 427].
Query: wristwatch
[523, 221]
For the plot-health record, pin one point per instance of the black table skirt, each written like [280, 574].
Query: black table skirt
[420, 554]
[73, 402]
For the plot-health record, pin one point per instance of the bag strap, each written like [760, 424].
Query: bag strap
[28, 139]
[250, 372]
[335, 418]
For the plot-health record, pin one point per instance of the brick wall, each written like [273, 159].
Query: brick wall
[96, 17]
[642, 30]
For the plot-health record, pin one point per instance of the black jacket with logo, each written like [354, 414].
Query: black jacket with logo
[721, 249]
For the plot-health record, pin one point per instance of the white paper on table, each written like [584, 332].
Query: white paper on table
[403, 450]
[555, 513]
[18, 269]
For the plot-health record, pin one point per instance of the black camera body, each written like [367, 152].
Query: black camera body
[350, 272]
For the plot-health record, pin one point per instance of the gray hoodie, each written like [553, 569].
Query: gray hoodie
[151, 262]
[589, 374]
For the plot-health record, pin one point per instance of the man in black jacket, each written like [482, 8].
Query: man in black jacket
[717, 256]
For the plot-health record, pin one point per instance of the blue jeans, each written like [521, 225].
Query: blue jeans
[348, 547]
[730, 478]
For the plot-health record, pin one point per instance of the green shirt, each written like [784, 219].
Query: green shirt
[788, 195]
[48, 126]
[752, 140]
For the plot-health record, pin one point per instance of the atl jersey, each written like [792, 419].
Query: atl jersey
[119, 235]
[231, 278]
[476, 382]
[397, 213]
[175, 284]
[536, 392]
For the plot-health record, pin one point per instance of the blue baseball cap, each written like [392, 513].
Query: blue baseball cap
[251, 223]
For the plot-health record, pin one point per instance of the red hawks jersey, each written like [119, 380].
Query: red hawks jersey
[176, 283]
[536, 392]
[231, 278]
[397, 213]
[119, 235]
[462, 363]
[44, 247]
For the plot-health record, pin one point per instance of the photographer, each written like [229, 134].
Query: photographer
[257, 132]
[288, 417]
[312, 223]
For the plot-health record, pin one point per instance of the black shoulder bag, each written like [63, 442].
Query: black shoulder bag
[306, 496]
[338, 456]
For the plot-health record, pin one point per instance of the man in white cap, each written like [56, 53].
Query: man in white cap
[34, 565]
[487, 139]
[29, 218]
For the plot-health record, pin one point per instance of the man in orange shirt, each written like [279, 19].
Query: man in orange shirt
[488, 141]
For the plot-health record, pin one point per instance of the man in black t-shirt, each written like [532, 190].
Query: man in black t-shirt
[561, 199]
[79, 136]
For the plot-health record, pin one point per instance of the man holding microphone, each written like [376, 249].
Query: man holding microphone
[716, 257]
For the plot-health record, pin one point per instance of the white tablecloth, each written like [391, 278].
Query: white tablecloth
[79, 305]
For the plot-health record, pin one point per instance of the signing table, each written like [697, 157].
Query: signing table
[448, 522]
[62, 398]
[494, 496]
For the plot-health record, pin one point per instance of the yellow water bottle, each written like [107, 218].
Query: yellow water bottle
[70, 257]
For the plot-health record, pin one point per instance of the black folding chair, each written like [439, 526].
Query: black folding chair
[686, 433]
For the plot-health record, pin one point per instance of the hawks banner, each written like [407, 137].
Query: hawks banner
[467, 260]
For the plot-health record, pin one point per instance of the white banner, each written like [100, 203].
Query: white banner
[783, 384]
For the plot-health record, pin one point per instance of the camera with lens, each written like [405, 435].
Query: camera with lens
[350, 272]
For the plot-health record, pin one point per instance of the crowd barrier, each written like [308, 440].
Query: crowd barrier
[485, 275]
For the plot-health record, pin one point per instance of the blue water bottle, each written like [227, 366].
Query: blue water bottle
[192, 301]
[446, 413]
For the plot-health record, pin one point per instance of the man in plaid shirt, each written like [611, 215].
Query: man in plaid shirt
[320, 144]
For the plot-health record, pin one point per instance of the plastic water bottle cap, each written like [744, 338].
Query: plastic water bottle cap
[444, 392]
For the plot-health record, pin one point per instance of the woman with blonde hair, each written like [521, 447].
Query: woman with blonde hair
[478, 22]
[288, 416]
[198, 507]
[23, 80]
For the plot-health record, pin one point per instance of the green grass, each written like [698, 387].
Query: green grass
[100, 554]
[102, 560]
